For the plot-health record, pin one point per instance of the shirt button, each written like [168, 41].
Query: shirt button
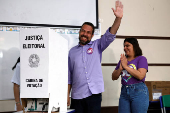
[88, 83]
[87, 78]
[83, 51]
[85, 67]
[86, 72]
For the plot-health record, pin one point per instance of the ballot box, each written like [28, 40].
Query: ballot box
[44, 66]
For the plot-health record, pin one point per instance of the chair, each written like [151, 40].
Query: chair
[161, 104]
[164, 102]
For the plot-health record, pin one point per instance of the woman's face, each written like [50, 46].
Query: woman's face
[128, 48]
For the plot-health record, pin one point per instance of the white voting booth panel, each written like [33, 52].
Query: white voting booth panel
[44, 66]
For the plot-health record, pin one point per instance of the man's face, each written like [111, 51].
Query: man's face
[85, 34]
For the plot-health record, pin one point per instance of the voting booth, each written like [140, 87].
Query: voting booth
[44, 66]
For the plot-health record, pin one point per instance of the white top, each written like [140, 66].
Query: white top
[16, 76]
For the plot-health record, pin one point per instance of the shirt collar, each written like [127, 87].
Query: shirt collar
[90, 43]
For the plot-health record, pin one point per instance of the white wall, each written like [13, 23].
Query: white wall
[7, 105]
[141, 18]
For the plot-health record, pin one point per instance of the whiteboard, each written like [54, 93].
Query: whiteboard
[53, 13]
[9, 53]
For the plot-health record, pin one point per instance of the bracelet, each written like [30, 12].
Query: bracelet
[17, 102]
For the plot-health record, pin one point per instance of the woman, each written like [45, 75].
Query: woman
[132, 67]
[16, 81]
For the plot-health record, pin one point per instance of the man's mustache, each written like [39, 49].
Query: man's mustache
[84, 36]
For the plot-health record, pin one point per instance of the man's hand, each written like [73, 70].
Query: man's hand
[118, 12]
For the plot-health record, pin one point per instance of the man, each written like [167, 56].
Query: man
[85, 74]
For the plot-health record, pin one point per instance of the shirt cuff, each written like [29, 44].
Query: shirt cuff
[108, 34]
[108, 31]
[69, 82]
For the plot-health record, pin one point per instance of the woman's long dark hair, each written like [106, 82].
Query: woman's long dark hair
[136, 48]
[16, 63]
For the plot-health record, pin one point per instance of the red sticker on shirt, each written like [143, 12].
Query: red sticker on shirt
[90, 51]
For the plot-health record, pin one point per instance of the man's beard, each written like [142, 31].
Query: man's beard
[82, 42]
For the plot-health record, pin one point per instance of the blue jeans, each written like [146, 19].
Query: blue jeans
[91, 104]
[134, 98]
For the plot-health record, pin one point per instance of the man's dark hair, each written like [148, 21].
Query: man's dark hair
[90, 24]
[136, 48]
